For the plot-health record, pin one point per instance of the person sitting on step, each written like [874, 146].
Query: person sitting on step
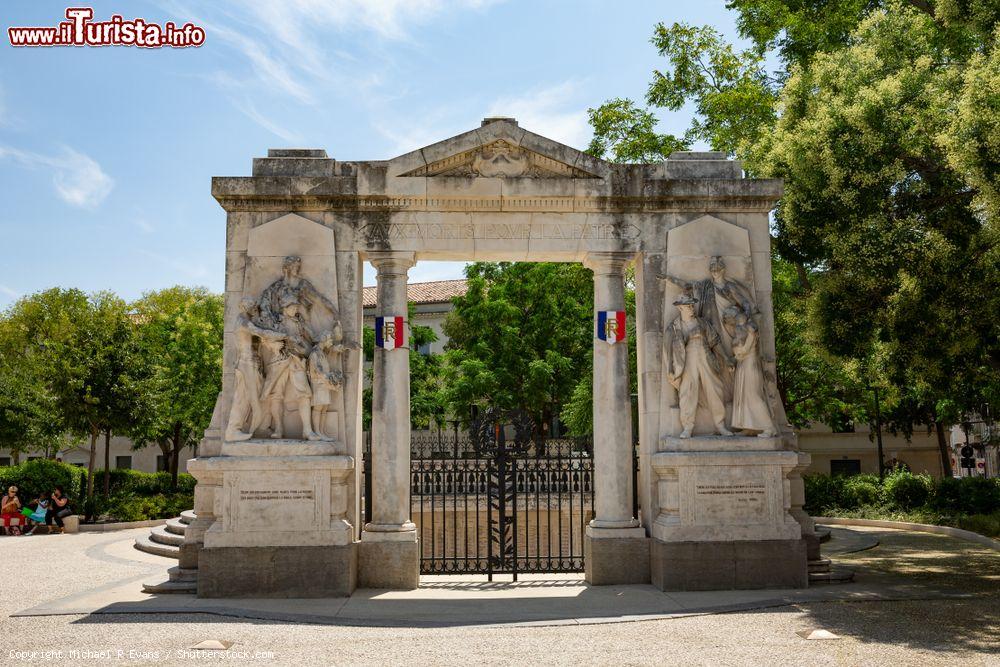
[58, 510]
[10, 510]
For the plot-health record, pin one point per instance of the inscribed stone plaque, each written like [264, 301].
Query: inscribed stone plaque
[274, 499]
[730, 496]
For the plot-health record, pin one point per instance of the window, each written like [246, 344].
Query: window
[424, 349]
[34, 458]
[123, 462]
[4, 460]
[845, 467]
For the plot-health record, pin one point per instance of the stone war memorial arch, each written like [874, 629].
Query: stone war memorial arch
[278, 498]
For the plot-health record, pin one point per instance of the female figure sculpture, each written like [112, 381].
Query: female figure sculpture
[750, 407]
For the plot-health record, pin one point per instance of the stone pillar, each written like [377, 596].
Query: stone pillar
[389, 552]
[616, 550]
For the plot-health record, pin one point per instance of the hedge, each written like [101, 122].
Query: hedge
[901, 491]
[134, 495]
[33, 478]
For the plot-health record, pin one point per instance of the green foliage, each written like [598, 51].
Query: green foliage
[971, 495]
[519, 338]
[124, 480]
[180, 351]
[623, 132]
[42, 476]
[135, 507]
[906, 491]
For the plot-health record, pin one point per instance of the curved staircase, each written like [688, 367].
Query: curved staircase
[166, 540]
[820, 569]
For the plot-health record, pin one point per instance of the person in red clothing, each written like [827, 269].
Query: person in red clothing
[10, 509]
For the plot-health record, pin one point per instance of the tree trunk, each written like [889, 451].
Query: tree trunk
[944, 449]
[176, 455]
[92, 459]
[107, 463]
[17, 456]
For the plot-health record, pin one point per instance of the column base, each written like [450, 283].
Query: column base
[389, 560]
[616, 556]
[712, 566]
[277, 572]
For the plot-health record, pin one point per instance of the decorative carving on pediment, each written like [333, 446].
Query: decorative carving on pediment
[500, 159]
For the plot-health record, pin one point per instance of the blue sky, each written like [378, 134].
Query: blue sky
[106, 154]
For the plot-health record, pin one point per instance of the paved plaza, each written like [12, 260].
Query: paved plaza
[917, 599]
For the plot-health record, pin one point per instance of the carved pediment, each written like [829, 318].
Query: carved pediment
[500, 159]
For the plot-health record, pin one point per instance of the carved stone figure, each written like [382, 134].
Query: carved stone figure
[249, 376]
[751, 411]
[326, 376]
[713, 296]
[285, 374]
[291, 288]
[693, 367]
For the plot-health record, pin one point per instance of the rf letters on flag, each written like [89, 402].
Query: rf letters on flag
[611, 326]
[390, 332]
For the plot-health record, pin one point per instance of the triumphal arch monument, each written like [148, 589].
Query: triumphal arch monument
[278, 499]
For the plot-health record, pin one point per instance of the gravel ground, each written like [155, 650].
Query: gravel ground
[924, 632]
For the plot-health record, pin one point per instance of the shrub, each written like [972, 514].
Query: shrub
[123, 480]
[971, 495]
[861, 490]
[823, 493]
[132, 507]
[906, 491]
[33, 478]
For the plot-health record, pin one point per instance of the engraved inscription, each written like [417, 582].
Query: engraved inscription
[722, 500]
[276, 494]
[384, 232]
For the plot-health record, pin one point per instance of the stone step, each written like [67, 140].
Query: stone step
[175, 526]
[187, 516]
[823, 532]
[819, 565]
[161, 535]
[145, 543]
[170, 586]
[183, 574]
[837, 575]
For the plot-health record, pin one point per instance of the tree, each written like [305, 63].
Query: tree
[882, 120]
[78, 345]
[519, 338]
[29, 418]
[180, 347]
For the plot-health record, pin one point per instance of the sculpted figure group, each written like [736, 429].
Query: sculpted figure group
[280, 358]
[712, 355]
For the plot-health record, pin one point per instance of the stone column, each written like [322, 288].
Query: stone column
[389, 555]
[616, 548]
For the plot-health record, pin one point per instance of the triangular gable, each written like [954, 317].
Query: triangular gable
[498, 149]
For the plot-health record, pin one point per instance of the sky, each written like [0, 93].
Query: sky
[107, 154]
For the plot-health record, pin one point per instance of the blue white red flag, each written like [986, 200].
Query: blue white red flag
[611, 326]
[390, 332]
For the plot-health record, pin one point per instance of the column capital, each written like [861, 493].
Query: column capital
[389, 262]
[607, 262]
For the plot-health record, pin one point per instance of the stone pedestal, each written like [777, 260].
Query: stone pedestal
[723, 519]
[280, 526]
[389, 560]
[616, 556]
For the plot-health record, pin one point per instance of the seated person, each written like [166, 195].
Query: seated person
[37, 516]
[10, 510]
[58, 509]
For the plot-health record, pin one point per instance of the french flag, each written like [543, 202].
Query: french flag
[611, 326]
[390, 332]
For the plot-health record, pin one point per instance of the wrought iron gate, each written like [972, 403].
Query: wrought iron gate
[502, 501]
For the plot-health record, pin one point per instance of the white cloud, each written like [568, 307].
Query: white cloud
[191, 271]
[9, 292]
[552, 112]
[251, 112]
[77, 178]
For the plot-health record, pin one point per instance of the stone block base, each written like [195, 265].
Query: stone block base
[277, 572]
[189, 555]
[616, 560]
[391, 565]
[710, 566]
